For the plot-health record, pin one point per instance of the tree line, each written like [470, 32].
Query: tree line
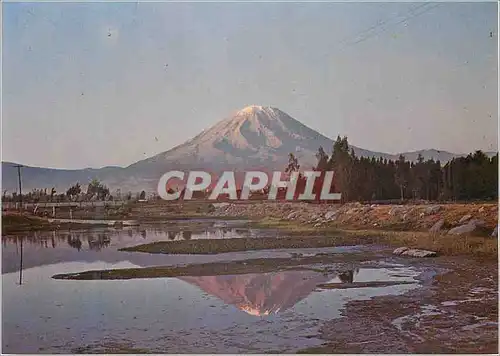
[474, 177]
[96, 190]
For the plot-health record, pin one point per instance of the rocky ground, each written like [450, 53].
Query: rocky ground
[452, 219]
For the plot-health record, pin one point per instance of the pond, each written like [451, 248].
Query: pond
[280, 311]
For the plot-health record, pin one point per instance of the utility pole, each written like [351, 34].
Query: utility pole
[19, 166]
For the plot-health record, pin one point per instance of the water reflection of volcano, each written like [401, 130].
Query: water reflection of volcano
[261, 294]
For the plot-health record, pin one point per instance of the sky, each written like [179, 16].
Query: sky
[99, 84]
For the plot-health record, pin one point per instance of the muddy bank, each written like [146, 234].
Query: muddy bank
[247, 244]
[455, 312]
[260, 265]
[373, 284]
[17, 223]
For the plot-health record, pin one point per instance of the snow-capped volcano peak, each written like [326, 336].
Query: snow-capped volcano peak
[250, 109]
[258, 110]
[256, 135]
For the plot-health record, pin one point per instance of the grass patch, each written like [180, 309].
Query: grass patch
[479, 245]
[443, 244]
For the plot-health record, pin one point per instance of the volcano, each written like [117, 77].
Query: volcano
[253, 138]
[256, 136]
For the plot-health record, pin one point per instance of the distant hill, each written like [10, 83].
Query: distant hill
[255, 137]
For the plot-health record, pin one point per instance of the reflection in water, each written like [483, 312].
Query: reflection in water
[87, 243]
[157, 314]
[348, 276]
[186, 234]
[21, 265]
[260, 294]
[75, 242]
[98, 242]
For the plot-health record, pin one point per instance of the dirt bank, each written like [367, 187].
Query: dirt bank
[362, 216]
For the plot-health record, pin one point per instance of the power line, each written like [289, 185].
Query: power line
[381, 23]
[413, 15]
[371, 31]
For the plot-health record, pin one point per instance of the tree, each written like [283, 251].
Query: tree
[322, 166]
[52, 193]
[293, 164]
[322, 157]
[74, 191]
[402, 174]
[93, 187]
[96, 188]
[102, 192]
[418, 174]
[143, 195]
[341, 161]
